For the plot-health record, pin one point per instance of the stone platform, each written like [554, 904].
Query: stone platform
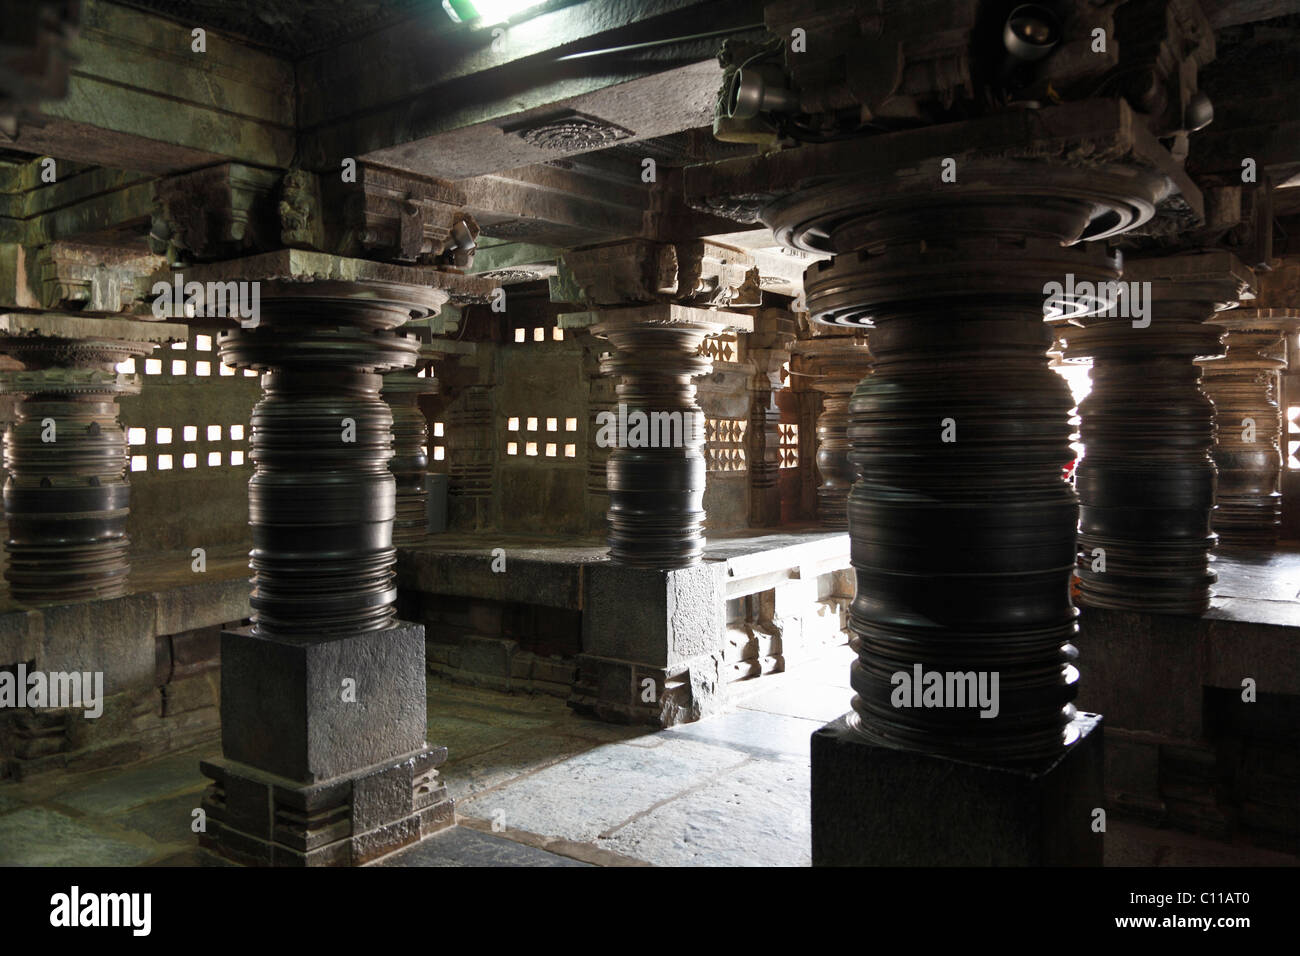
[157, 647]
[1209, 762]
[626, 644]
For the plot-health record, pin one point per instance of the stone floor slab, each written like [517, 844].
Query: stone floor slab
[520, 756]
[168, 820]
[38, 836]
[806, 700]
[109, 792]
[463, 846]
[602, 788]
[754, 732]
[755, 815]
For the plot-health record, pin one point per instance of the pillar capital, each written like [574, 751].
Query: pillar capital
[700, 273]
[231, 210]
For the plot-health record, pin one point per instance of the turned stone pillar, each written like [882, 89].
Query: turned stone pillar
[655, 473]
[402, 391]
[1243, 384]
[1146, 482]
[963, 531]
[837, 363]
[655, 303]
[962, 528]
[323, 717]
[67, 497]
[767, 348]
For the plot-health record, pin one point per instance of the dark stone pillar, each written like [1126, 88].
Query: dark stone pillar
[656, 484]
[962, 527]
[324, 759]
[410, 462]
[767, 348]
[655, 302]
[1146, 481]
[837, 363]
[1243, 385]
[67, 497]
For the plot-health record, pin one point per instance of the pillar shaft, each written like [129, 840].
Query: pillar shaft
[655, 302]
[837, 363]
[1243, 385]
[1146, 482]
[767, 348]
[963, 531]
[656, 471]
[410, 461]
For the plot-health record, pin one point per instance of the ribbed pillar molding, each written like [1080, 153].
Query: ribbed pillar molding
[322, 499]
[67, 497]
[1243, 384]
[410, 462]
[837, 363]
[963, 531]
[656, 470]
[1146, 481]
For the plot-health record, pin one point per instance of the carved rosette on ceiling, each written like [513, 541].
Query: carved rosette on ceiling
[572, 133]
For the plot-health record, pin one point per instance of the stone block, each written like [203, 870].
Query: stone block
[383, 797]
[368, 847]
[628, 693]
[21, 635]
[192, 693]
[203, 603]
[878, 806]
[485, 619]
[489, 656]
[1131, 659]
[653, 617]
[338, 853]
[247, 806]
[436, 818]
[297, 688]
[236, 846]
[115, 637]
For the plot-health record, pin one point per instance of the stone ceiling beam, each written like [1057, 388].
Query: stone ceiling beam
[448, 105]
[140, 98]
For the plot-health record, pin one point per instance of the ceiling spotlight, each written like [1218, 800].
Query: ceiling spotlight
[486, 12]
[1031, 32]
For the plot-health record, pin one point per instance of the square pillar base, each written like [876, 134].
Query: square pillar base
[260, 819]
[324, 759]
[313, 710]
[878, 806]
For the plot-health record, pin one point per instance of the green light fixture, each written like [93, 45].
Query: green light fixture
[485, 12]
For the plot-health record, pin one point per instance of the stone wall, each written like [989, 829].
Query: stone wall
[189, 438]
